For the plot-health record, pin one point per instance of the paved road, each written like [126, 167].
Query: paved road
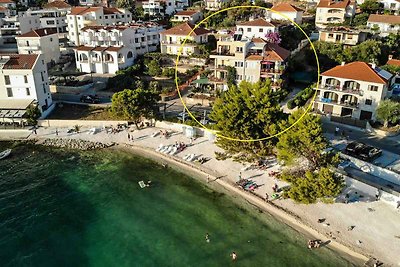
[391, 144]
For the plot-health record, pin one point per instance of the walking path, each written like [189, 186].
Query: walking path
[376, 228]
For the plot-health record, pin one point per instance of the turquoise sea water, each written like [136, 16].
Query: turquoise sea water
[70, 208]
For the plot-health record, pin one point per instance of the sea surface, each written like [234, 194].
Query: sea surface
[73, 208]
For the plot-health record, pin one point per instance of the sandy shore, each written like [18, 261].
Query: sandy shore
[375, 230]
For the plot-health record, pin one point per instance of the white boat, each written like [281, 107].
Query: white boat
[173, 151]
[5, 153]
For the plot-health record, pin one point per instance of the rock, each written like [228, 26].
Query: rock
[74, 144]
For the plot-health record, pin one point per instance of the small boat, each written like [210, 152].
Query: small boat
[5, 153]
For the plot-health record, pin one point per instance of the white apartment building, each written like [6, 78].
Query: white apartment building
[89, 16]
[24, 79]
[53, 15]
[10, 27]
[353, 90]
[103, 3]
[191, 16]
[172, 39]
[331, 12]
[8, 6]
[163, 7]
[254, 59]
[107, 49]
[257, 28]
[290, 11]
[214, 5]
[391, 5]
[41, 41]
[384, 24]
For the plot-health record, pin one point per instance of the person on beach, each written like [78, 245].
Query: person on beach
[207, 238]
[56, 131]
[129, 137]
[34, 130]
[233, 256]
[208, 178]
[266, 196]
[240, 176]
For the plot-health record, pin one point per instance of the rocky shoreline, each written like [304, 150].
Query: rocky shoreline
[73, 144]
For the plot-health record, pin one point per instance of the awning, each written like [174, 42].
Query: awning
[14, 108]
[201, 81]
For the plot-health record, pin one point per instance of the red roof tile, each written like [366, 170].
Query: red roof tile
[285, 7]
[6, 2]
[186, 13]
[390, 19]
[184, 29]
[39, 32]
[359, 71]
[84, 48]
[333, 4]
[257, 22]
[276, 53]
[57, 4]
[114, 48]
[82, 10]
[19, 61]
[111, 10]
[394, 62]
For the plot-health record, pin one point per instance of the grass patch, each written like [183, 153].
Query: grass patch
[81, 112]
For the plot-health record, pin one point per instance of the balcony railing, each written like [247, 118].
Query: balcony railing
[222, 53]
[337, 102]
[342, 89]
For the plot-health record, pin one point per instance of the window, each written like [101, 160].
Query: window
[122, 16]
[350, 37]
[9, 92]
[25, 79]
[239, 49]
[261, 30]
[248, 29]
[7, 79]
[28, 92]
[99, 17]
[330, 35]
[112, 16]
[50, 22]
[41, 74]
[239, 64]
[51, 39]
[42, 61]
[106, 17]
[373, 88]
[239, 77]
[368, 102]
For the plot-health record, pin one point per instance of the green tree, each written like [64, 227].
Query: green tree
[305, 140]
[32, 114]
[370, 6]
[360, 19]
[134, 105]
[168, 72]
[307, 187]
[155, 87]
[231, 76]
[153, 68]
[388, 111]
[128, 4]
[248, 111]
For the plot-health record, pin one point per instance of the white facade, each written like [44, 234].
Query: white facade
[214, 4]
[8, 6]
[111, 48]
[25, 77]
[48, 44]
[358, 98]
[84, 16]
[165, 7]
[10, 27]
[391, 5]
[256, 29]
[52, 18]
[189, 16]
[384, 24]
[331, 12]
[286, 12]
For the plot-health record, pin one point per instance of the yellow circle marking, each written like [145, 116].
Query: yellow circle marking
[216, 132]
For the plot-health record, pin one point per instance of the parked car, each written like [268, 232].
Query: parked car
[92, 99]
[363, 151]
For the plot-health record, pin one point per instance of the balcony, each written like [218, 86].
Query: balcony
[346, 104]
[30, 47]
[222, 53]
[342, 89]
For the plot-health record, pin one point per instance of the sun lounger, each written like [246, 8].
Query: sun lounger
[164, 149]
[168, 150]
[155, 134]
[161, 146]
[173, 151]
[191, 157]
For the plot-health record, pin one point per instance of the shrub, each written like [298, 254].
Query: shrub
[290, 104]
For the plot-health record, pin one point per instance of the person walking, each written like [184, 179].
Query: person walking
[34, 130]
[129, 137]
[266, 196]
[56, 131]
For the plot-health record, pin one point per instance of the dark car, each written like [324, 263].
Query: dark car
[92, 99]
[363, 151]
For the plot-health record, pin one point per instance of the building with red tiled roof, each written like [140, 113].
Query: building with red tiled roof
[191, 16]
[334, 12]
[26, 68]
[393, 6]
[353, 90]
[286, 12]
[172, 39]
[8, 7]
[257, 28]
[57, 4]
[80, 17]
[384, 24]
[41, 41]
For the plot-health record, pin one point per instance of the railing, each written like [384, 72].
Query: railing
[341, 89]
[222, 53]
[337, 102]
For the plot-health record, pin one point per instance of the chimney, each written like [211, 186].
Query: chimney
[390, 57]
[343, 63]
